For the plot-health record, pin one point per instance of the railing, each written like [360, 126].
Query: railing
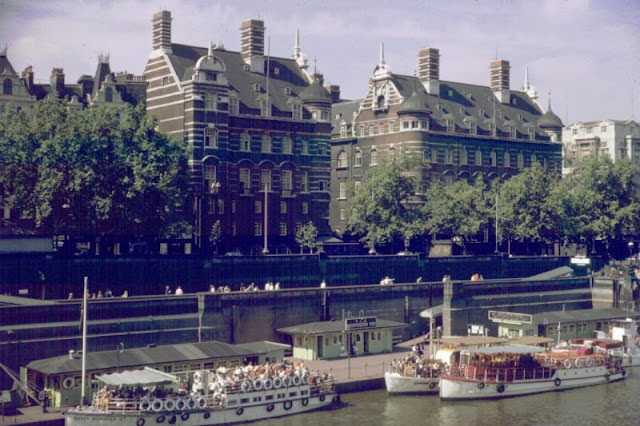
[495, 375]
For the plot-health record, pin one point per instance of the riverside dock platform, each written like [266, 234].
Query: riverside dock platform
[355, 374]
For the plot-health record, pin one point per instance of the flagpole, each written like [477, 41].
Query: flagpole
[84, 341]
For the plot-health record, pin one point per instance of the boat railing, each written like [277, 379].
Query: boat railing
[414, 370]
[499, 374]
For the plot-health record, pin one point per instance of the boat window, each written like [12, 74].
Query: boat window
[281, 395]
[293, 393]
[257, 399]
[268, 397]
[244, 400]
[304, 392]
[232, 402]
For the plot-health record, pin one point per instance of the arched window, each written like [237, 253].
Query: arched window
[507, 159]
[520, 160]
[108, 94]
[478, 157]
[374, 156]
[211, 137]
[493, 159]
[342, 159]
[358, 158]
[7, 87]
[463, 156]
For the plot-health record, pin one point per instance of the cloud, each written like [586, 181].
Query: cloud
[585, 52]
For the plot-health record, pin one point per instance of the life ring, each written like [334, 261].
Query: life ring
[287, 405]
[305, 378]
[145, 405]
[180, 404]
[557, 381]
[567, 363]
[589, 362]
[481, 385]
[270, 407]
[305, 402]
[184, 416]
[246, 386]
[191, 403]
[500, 388]
[286, 381]
[207, 415]
[578, 363]
[140, 422]
[296, 380]
[68, 382]
[156, 405]
[321, 398]
[160, 419]
[257, 384]
[267, 384]
[201, 403]
[169, 404]
[239, 411]
[432, 385]
[277, 382]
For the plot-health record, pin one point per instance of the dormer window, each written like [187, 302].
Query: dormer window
[439, 107]
[287, 91]
[450, 93]
[211, 76]
[276, 71]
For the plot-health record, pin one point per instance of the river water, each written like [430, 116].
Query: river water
[615, 404]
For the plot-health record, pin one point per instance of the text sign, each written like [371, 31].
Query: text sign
[363, 323]
[510, 317]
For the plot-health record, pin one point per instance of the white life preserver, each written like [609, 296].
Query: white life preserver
[277, 382]
[145, 405]
[181, 404]
[305, 378]
[246, 386]
[169, 404]
[68, 382]
[257, 384]
[286, 381]
[267, 383]
[567, 363]
[191, 403]
[589, 362]
[201, 402]
[296, 380]
[156, 405]
[578, 362]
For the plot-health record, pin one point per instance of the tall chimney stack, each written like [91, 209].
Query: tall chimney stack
[429, 69]
[499, 72]
[162, 31]
[251, 39]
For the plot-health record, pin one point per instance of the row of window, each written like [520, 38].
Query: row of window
[244, 177]
[432, 155]
[211, 139]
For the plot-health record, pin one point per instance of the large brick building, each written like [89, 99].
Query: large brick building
[258, 129]
[463, 130]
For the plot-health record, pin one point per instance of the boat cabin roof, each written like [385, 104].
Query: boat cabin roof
[148, 376]
[512, 349]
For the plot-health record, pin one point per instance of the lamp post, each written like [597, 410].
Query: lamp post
[265, 250]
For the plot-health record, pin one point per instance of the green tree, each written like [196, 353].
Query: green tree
[306, 236]
[99, 171]
[525, 209]
[382, 208]
[457, 209]
[598, 200]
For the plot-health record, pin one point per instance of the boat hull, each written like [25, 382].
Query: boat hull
[87, 416]
[398, 384]
[457, 388]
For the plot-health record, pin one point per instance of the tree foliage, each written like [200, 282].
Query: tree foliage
[99, 171]
[383, 206]
[306, 236]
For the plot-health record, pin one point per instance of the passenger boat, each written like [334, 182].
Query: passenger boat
[150, 397]
[413, 375]
[514, 370]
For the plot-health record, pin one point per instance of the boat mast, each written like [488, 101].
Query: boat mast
[84, 342]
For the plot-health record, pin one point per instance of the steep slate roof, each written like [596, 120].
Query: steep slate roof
[460, 101]
[315, 93]
[323, 327]
[184, 57]
[140, 357]
[5, 65]
[416, 103]
[550, 120]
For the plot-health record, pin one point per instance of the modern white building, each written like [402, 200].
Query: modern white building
[615, 138]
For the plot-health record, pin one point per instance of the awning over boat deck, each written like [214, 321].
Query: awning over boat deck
[472, 340]
[512, 349]
[148, 376]
[531, 340]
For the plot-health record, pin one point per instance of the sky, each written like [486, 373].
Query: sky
[582, 54]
